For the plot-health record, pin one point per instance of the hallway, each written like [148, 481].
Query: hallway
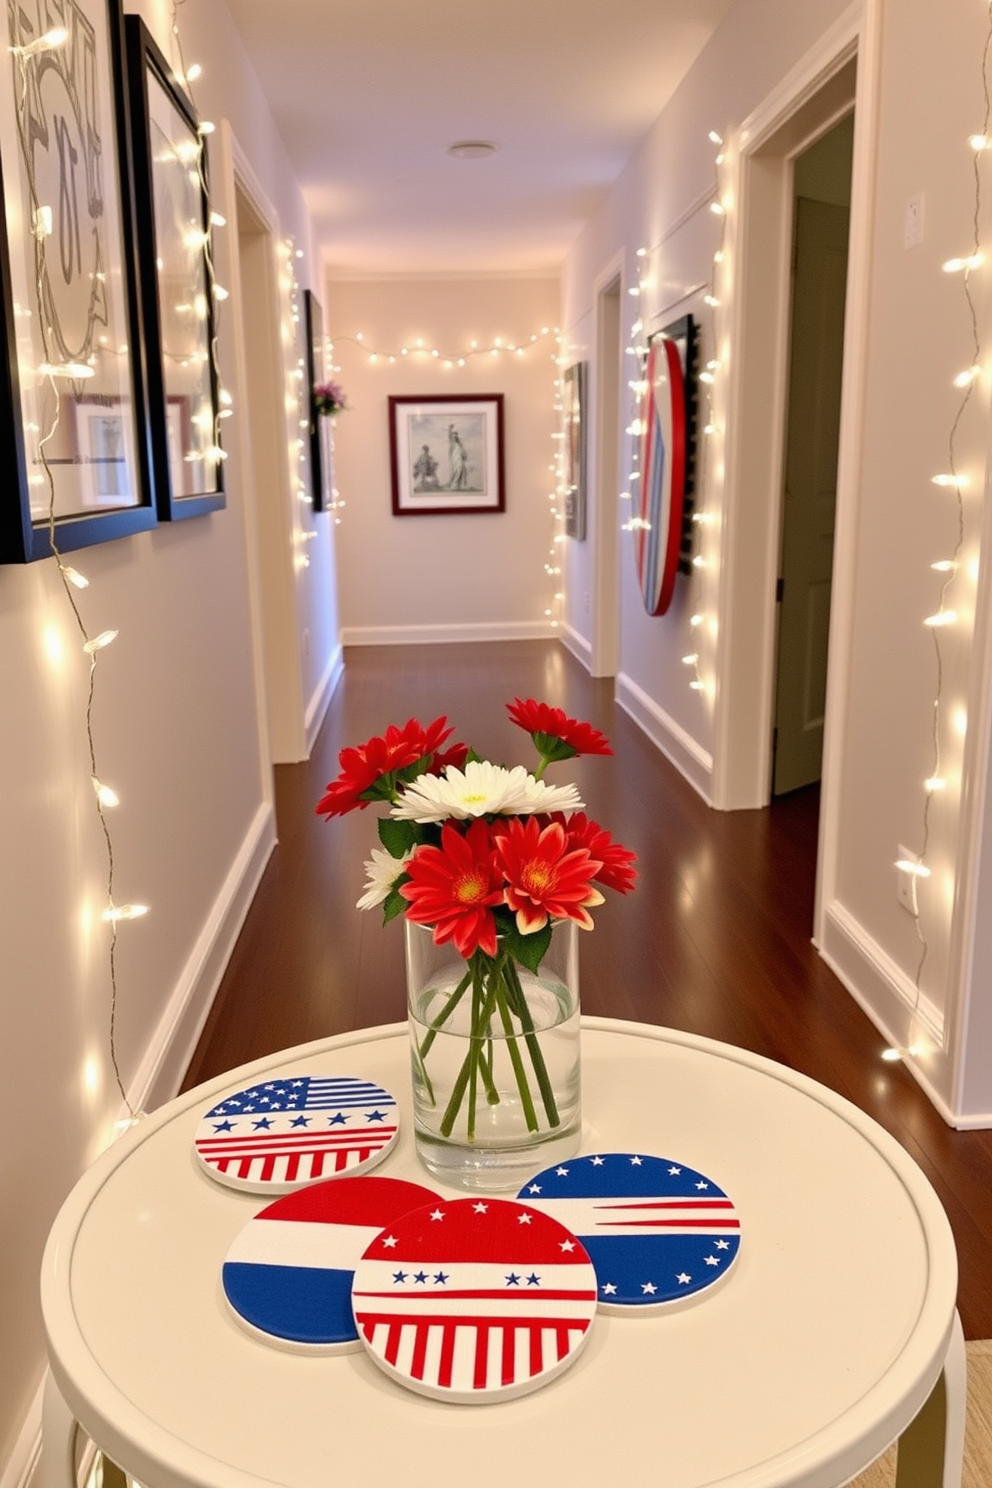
[715, 940]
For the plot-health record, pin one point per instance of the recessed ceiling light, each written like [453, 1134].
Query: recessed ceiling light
[471, 149]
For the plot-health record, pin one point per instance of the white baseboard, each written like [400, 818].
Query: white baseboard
[167, 1057]
[323, 692]
[889, 998]
[679, 747]
[428, 635]
[580, 648]
[21, 1468]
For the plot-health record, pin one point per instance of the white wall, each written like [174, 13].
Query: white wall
[175, 726]
[913, 336]
[449, 577]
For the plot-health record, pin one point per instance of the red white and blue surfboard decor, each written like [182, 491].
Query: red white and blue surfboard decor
[474, 1300]
[658, 530]
[288, 1275]
[275, 1137]
[658, 1232]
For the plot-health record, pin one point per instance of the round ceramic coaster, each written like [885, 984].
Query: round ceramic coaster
[658, 1232]
[474, 1300]
[275, 1137]
[288, 1274]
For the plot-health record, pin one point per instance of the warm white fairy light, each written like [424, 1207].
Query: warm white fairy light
[962, 265]
[945, 617]
[56, 37]
[105, 794]
[116, 912]
[430, 353]
[99, 642]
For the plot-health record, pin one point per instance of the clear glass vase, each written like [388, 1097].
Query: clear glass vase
[495, 1060]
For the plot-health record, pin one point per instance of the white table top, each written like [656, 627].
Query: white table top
[822, 1345]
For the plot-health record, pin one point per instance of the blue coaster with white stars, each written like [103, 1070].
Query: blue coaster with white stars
[657, 1232]
[274, 1138]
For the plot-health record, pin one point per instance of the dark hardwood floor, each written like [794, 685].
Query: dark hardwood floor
[716, 939]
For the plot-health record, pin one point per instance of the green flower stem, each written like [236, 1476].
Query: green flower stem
[533, 1046]
[513, 1050]
[445, 1013]
[482, 1011]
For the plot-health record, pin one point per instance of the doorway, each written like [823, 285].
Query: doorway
[265, 395]
[605, 659]
[821, 222]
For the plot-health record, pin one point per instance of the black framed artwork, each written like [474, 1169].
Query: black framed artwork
[573, 414]
[321, 434]
[173, 221]
[446, 454]
[75, 460]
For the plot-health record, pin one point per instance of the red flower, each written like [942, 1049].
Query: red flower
[369, 772]
[456, 755]
[454, 888]
[617, 869]
[545, 878]
[555, 735]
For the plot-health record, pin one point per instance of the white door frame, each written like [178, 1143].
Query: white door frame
[807, 102]
[607, 400]
[271, 531]
[225, 183]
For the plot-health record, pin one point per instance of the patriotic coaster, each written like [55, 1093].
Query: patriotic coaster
[288, 1274]
[658, 1232]
[474, 1300]
[275, 1137]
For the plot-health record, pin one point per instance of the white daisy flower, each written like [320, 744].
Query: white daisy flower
[381, 872]
[481, 789]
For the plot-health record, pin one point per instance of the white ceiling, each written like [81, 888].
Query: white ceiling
[367, 95]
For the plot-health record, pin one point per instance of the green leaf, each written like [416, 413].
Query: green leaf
[551, 748]
[397, 837]
[529, 950]
[393, 905]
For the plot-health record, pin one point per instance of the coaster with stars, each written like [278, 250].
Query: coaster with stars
[658, 1232]
[288, 1274]
[474, 1300]
[276, 1137]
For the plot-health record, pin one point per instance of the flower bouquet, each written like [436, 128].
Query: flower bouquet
[493, 869]
[328, 398]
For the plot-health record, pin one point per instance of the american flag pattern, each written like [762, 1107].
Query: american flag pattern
[288, 1274]
[275, 1137]
[661, 491]
[657, 1231]
[473, 1300]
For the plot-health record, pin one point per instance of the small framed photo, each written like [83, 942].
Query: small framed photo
[574, 400]
[447, 454]
[101, 451]
[173, 219]
[74, 449]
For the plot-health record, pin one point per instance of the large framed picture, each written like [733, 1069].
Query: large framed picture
[573, 414]
[321, 433]
[663, 533]
[173, 221]
[74, 453]
[446, 454]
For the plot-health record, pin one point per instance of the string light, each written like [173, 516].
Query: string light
[952, 480]
[419, 348]
[535, 341]
[707, 381]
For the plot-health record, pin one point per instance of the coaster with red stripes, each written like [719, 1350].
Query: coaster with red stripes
[288, 1274]
[474, 1300]
[275, 1137]
[659, 1232]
